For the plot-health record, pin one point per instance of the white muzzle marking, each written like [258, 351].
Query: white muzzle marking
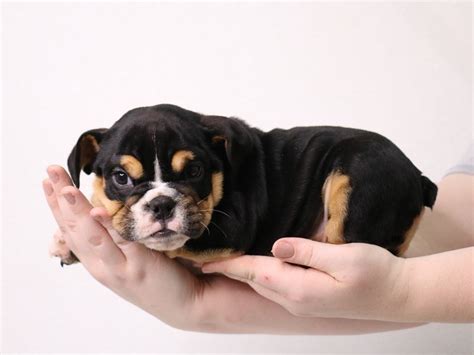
[145, 224]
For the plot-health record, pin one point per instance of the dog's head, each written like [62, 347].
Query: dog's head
[160, 171]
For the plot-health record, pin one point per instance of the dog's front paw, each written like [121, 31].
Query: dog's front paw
[59, 249]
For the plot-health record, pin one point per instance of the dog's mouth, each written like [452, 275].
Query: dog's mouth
[165, 218]
[162, 233]
[164, 240]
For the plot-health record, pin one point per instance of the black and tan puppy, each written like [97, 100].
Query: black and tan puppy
[208, 187]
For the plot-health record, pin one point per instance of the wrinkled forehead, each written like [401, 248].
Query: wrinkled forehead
[153, 139]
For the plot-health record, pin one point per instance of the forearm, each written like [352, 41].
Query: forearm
[440, 287]
[449, 225]
[245, 311]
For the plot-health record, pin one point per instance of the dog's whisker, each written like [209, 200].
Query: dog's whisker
[225, 235]
[219, 211]
[208, 232]
[224, 213]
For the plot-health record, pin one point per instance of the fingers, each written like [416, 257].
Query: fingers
[53, 204]
[243, 268]
[50, 195]
[128, 249]
[321, 256]
[91, 238]
[86, 238]
[58, 179]
[101, 216]
[270, 273]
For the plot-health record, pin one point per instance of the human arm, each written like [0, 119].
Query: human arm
[359, 281]
[365, 281]
[449, 225]
[169, 291]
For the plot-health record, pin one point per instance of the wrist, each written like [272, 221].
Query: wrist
[440, 288]
[417, 295]
[397, 292]
[405, 295]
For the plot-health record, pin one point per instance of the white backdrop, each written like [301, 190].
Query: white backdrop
[401, 69]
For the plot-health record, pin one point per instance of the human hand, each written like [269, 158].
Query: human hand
[148, 279]
[357, 280]
[167, 290]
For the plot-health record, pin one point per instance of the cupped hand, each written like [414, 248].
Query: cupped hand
[129, 269]
[316, 279]
[169, 291]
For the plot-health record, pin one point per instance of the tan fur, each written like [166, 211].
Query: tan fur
[180, 158]
[410, 234]
[132, 166]
[89, 149]
[203, 256]
[217, 139]
[116, 209]
[207, 205]
[217, 187]
[336, 192]
[119, 219]
[99, 199]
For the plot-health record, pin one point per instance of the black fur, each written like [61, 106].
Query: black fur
[272, 180]
[78, 160]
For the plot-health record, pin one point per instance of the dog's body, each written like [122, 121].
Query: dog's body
[207, 187]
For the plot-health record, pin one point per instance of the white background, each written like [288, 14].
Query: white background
[401, 69]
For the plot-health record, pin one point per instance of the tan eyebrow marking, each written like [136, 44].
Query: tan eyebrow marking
[132, 166]
[180, 158]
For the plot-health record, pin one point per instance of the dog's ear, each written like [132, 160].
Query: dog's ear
[239, 140]
[84, 153]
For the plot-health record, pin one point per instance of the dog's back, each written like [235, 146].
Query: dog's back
[340, 185]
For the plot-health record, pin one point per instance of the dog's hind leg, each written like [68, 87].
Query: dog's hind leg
[336, 193]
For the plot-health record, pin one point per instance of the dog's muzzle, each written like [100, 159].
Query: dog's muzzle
[164, 218]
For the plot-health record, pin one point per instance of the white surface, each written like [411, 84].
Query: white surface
[401, 69]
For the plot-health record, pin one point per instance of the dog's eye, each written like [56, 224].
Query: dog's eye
[121, 178]
[194, 171]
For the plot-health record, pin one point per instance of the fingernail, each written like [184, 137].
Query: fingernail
[53, 176]
[48, 189]
[206, 269]
[70, 198]
[283, 250]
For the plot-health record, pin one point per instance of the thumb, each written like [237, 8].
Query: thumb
[128, 248]
[322, 256]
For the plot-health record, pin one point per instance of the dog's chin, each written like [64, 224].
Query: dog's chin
[164, 241]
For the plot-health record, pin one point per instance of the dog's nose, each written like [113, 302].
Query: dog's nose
[162, 207]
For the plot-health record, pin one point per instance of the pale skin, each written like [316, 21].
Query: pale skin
[363, 289]
[362, 281]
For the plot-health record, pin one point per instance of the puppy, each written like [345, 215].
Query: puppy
[205, 188]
